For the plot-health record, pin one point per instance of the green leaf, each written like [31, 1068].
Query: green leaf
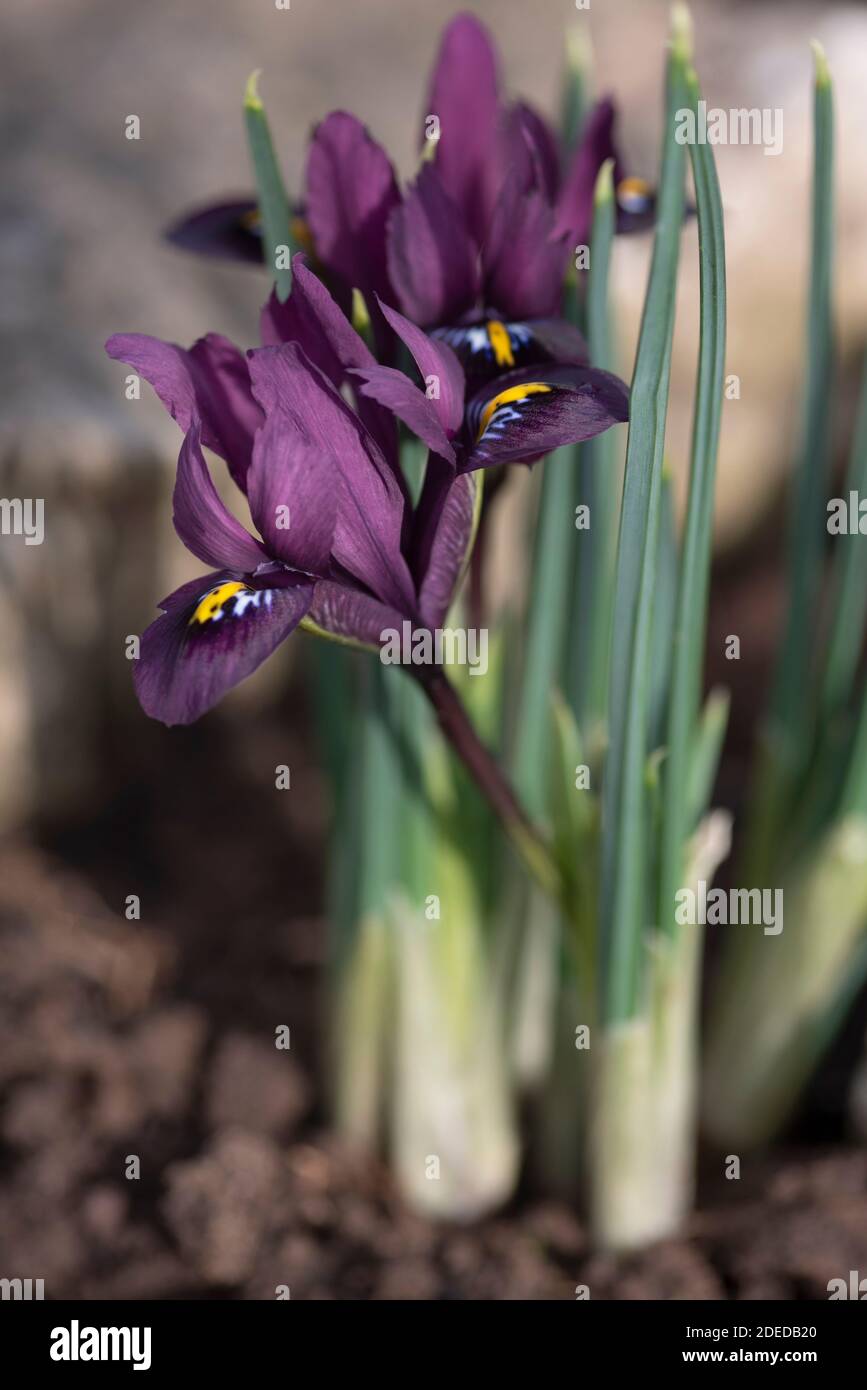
[576, 83]
[691, 619]
[592, 597]
[273, 202]
[787, 735]
[625, 814]
[705, 755]
[544, 631]
[849, 585]
[575, 820]
[664, 612]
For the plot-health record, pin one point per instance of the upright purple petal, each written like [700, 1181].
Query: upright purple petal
[229, 229]
[453, 533]
[524, 265]
[440, 369]
[294, 490]
[464, 95]
[351, 191]
[433, 261]
[519, 421]
[201, 520]
[209, 381]
[312, 318]
[575, 207]
[371, 508]
[530, 142]
[213, 633]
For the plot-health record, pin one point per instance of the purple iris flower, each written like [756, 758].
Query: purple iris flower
[477, 248]
[635, 198]
[340, 547]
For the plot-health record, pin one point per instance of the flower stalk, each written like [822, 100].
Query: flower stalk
[525, 837]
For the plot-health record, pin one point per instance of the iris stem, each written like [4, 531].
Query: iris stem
[489, 777]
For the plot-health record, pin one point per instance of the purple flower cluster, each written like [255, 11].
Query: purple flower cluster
[463, 277]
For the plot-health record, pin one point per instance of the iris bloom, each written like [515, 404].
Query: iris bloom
[339, 547]
[477, 248]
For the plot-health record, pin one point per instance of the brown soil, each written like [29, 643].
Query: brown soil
[125, 1039]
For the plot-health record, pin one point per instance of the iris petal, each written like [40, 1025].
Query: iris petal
[524, 261]
[488, 349]
[206, 527]
[228, 229]
[520, 421]
[209, 382]
[371, 508]
[449, 551]
[464, 96]
[432, 259]
[213, 633]
[351, 191]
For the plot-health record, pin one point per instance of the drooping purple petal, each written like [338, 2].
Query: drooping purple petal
[345, 611]
[432, 259]
[524, 265]
[312, 318]
[411, 405]
[464, 95]
[201, 520]
[531, 142]
[213, 633]
[575, 206]
[371, 508]
[294, 490]
[209, 382]
[449, 551]
[351, 190]
[519, 421]
[228, 229]
[440, 369]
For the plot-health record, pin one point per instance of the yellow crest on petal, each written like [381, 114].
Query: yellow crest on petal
[211, 606]
[515, 395]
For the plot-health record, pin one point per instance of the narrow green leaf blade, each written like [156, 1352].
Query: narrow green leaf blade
[849, 585]
[273, 202]
[691, 619]
[625, 811]
[576, 85]
[787, 735]
[592, 599]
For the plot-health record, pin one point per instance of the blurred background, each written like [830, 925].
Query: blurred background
[153, 1037]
